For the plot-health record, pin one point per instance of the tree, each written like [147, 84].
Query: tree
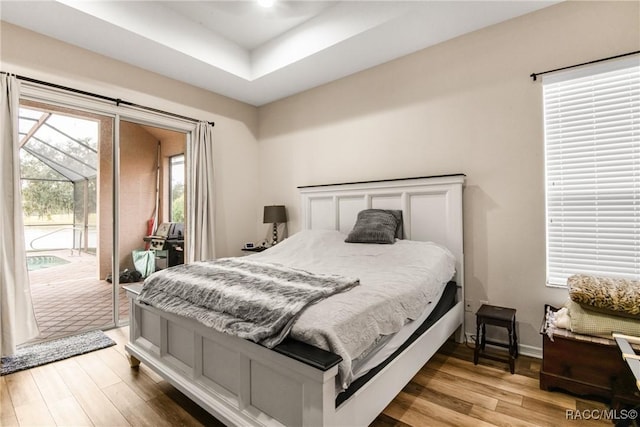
[45, 198]
[177, 209]
[44, 191]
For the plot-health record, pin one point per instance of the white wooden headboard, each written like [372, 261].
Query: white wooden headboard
[431, 209]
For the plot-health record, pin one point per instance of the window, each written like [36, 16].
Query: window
[592, 143]
[176, 190]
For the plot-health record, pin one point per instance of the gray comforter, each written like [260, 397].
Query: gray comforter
[248, 299]
[398, 283]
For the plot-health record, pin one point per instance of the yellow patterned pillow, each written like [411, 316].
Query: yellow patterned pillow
[620, 297]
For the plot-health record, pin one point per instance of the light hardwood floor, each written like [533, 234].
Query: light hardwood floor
[100, 389]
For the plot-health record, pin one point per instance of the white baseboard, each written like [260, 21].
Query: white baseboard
[531, 351]
[525, 350]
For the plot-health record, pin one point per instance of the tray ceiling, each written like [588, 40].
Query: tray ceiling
[254, 54]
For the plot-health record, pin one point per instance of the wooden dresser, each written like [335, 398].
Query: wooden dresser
[587, 365]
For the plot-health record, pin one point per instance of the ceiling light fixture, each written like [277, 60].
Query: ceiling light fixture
[266, 3]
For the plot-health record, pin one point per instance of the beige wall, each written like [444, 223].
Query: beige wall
[138, 153]
[27, 53]
[104, 197]
[467, 105]
[172, 144]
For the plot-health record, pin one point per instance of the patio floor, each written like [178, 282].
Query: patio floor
[69, 298]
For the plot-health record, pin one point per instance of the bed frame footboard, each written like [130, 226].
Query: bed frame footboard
[245, 384]
[239, 382]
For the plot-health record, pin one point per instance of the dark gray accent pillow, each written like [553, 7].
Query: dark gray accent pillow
[375, 226]
[399, 229]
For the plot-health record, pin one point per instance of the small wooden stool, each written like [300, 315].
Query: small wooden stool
[497, 316]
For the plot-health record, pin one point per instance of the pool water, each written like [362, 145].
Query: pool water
[36, 262]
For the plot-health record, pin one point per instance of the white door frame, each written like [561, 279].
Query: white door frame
[64, 98]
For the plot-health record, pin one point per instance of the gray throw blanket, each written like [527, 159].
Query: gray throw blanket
[248, 299]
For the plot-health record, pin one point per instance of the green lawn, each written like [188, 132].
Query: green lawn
[56, 219]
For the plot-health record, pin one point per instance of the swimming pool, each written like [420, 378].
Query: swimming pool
[36, 262]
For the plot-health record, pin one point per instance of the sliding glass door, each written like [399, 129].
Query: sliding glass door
[98, 181]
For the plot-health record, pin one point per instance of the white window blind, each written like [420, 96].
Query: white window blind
[592, 144]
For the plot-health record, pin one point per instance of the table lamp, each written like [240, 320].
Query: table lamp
[274, 214]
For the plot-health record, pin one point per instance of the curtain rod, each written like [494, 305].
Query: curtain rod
[117, 101]
[534, 76]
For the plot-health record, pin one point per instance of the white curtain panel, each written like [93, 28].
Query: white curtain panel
[17, 318]
[200, 195]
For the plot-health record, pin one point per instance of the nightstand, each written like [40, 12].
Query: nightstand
[256, 249]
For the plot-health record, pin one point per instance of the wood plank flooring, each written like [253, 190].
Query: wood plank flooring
[99, 389]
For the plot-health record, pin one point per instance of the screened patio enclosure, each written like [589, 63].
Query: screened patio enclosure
[59, 165]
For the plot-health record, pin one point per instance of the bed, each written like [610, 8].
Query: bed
[244, 383]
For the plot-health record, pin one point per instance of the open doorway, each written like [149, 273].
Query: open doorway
[68, 185]
[66, 180]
